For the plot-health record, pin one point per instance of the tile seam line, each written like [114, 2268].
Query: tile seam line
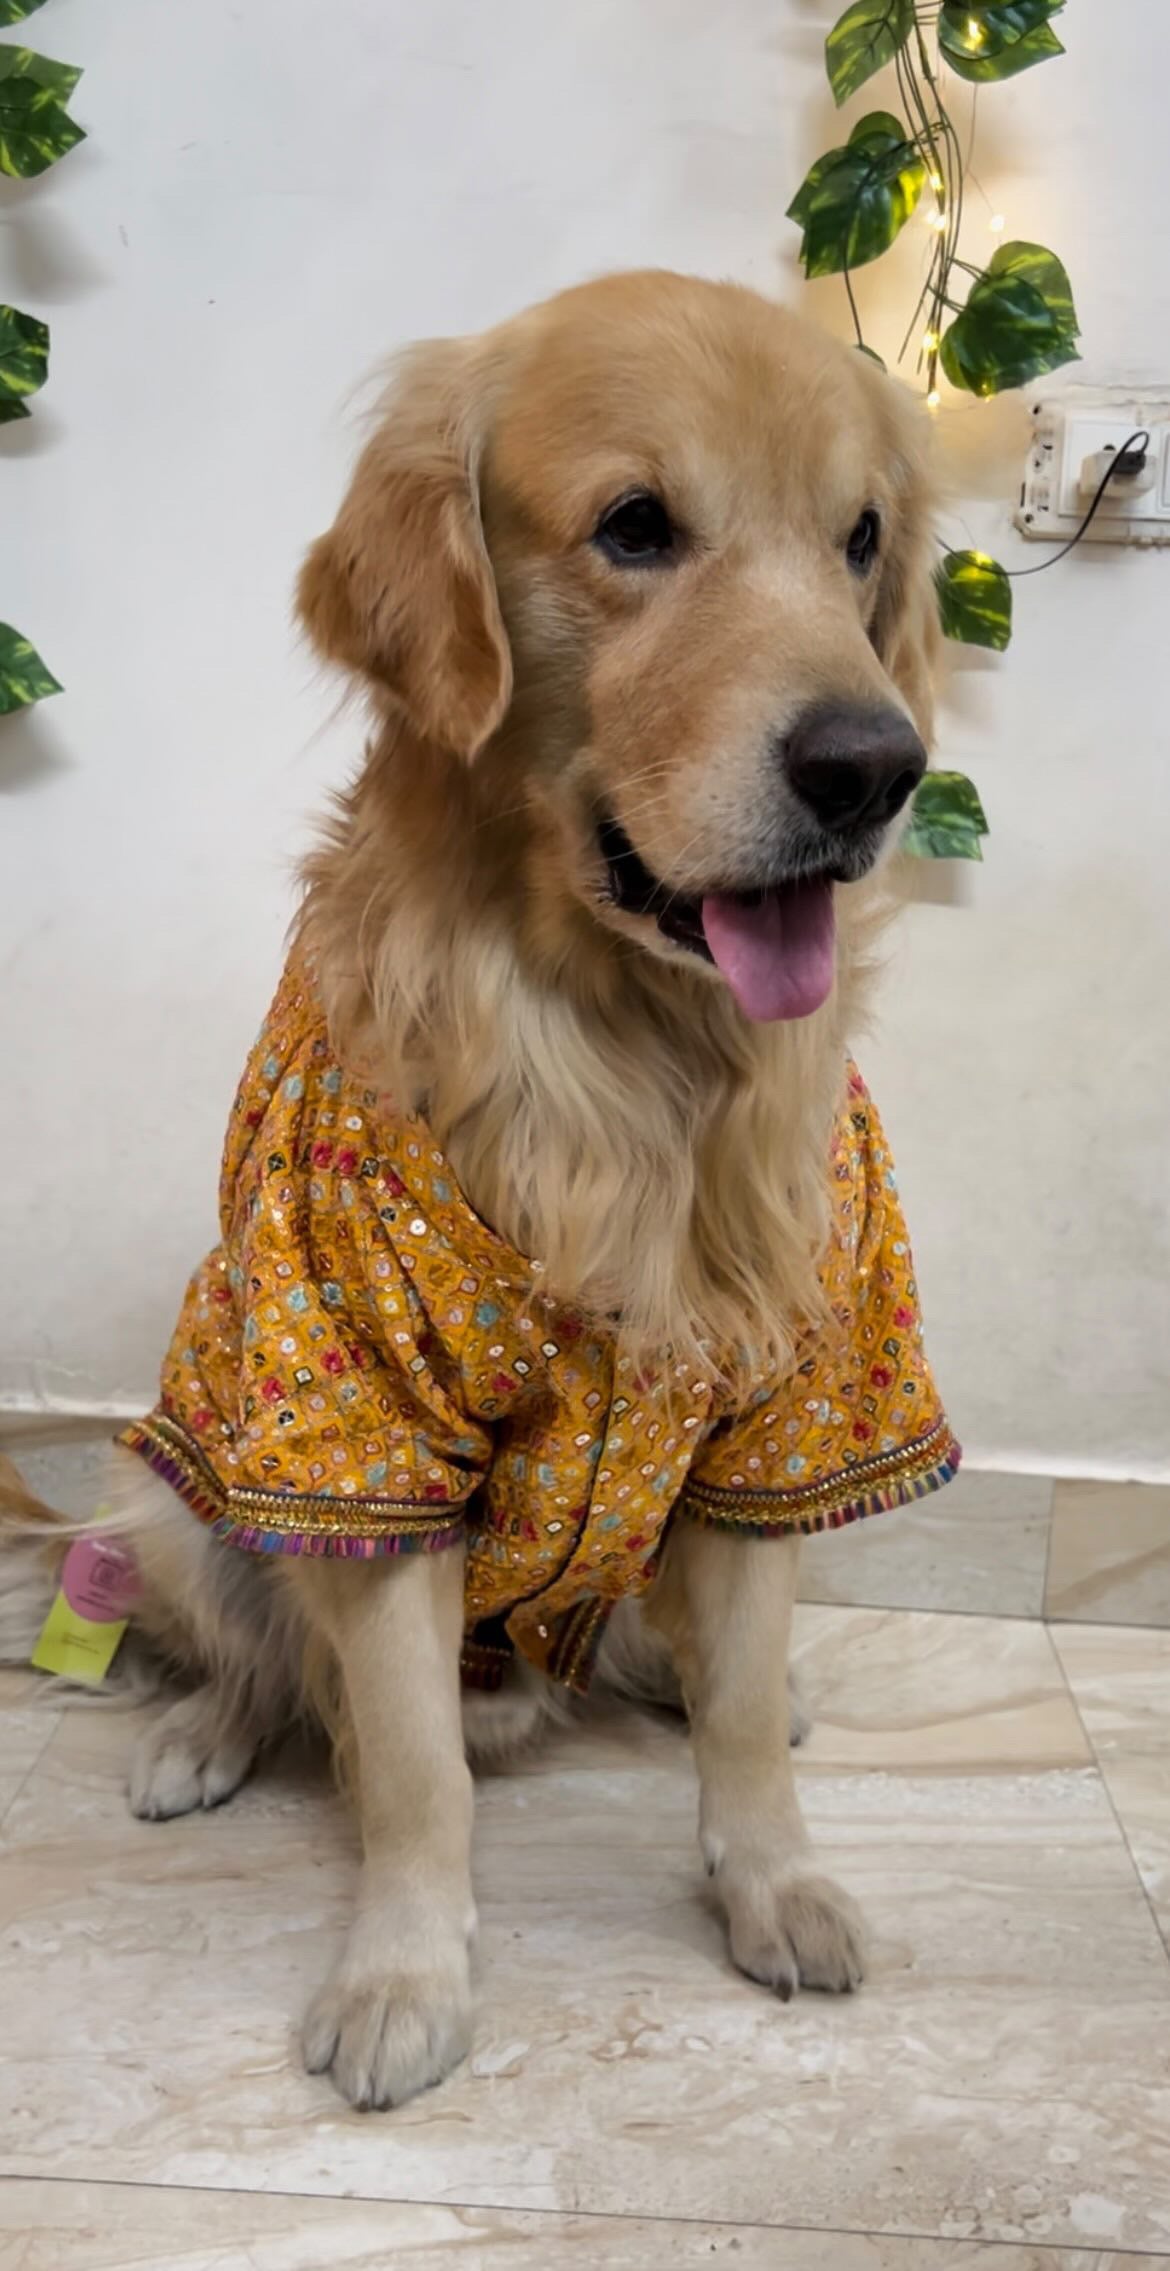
[1091, 2256]
[1091, 1740]
[27, 1776]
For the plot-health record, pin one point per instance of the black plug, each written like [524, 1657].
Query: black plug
[1129, 461]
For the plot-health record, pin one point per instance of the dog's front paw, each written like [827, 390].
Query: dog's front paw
[790, 1928]
[384, 2035]
[193, 1756]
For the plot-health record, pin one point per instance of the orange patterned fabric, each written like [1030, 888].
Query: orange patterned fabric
[361, 1366]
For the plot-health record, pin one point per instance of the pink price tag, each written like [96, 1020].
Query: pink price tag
[100, 1580]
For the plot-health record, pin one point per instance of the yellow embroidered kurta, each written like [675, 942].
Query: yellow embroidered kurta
[361, 1366]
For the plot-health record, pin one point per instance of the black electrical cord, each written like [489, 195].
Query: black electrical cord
[1137, 447]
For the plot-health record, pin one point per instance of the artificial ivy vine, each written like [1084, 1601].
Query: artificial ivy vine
[35, 130]
[986, 327]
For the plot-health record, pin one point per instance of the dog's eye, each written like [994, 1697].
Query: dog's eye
[636, 530]
[862, 548]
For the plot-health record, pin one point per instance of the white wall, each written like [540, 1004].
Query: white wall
[273, 195]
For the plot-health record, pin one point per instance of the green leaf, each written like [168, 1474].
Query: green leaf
[974, 603]
[853, 201]
[993, 24]
[15, 11]
[950, 798]
[879, 129]
[946, 819]
[23, 676]
[1045, 273]
[22, 63]
[1006, 335]
[35, 128]
[930, 840]
[24, 361]
[995, 39]
[868, 35]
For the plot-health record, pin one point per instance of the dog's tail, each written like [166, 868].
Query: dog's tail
[34, 1540]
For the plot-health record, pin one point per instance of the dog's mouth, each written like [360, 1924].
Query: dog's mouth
[776, 946]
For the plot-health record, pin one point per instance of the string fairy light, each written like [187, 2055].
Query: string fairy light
[967, 319]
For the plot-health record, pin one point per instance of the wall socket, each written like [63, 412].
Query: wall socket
[1074, 434]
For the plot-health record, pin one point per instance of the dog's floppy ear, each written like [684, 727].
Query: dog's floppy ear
[401, 589]
[905, 628]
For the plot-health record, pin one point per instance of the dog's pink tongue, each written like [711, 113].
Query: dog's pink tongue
[777, 957]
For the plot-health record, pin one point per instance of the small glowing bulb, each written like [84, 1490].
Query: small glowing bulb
[936, 181]
[937, 220]
[996, 222]
[930, 342]
[974, 31]
[933, 399]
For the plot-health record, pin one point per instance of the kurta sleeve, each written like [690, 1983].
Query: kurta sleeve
[307, 1404]
[857, 1426]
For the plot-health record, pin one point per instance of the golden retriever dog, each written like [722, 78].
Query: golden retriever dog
[637, 590]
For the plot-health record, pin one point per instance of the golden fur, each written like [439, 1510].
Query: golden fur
[605, 1105]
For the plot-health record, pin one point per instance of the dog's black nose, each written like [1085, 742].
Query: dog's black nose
[854, 767]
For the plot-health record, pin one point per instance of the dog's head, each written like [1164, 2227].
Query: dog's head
[660, 551]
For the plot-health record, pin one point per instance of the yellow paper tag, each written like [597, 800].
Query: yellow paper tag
[80, 1635]
[75, 1646]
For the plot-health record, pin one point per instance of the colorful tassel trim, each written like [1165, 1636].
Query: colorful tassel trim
[262, 1521]
[896, 1478]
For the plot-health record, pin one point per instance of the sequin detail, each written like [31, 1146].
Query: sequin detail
[362, 1367]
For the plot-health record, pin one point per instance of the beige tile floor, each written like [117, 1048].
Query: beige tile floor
[998, 2098]
[1109, 1558]
[981, 1545]
[1121, 1682]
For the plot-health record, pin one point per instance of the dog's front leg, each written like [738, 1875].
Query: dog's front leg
[725, 1605]
[395, 2015]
